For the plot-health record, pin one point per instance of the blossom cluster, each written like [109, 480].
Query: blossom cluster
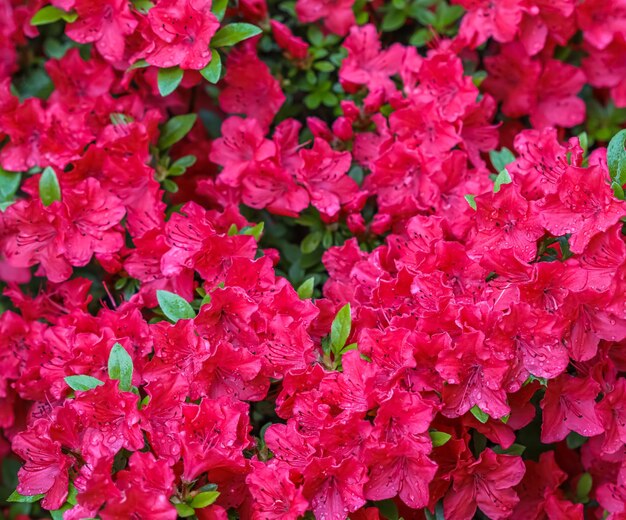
[321, 259]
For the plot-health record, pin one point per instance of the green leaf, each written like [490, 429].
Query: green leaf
[175, 307]
[17, 497]
[9, 183]
[471, 201]
[479, 414]
[49, 189]
[72, 494]
[340, 329]
[255, 231]
[187, 161]
[57, 514]
[583, 141]
[219, 8]
[583, 488]
[575, 440]
[502, 178]
[348, 348]
[234, 33]
[439, 438]
[169, 79]
[139, 64]
[393, 20]
[315, 36]
[616, 159]
[501, 159]
[324, 66]
[184, 511]
[311, 242]
[305, 291]
[51, 14]
[514, 449]
[313, 101]
[213, 70]
[175, 129]
[34, 83]
[143, 6]
[388, 509]
[82, 383]
[204, 499]
[420, 37]
[170, 186]
[121, 367]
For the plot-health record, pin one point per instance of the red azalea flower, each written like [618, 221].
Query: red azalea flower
[583, 206]
[294, 46]
[324, 174]
[474, 378]
[507, 220]
[486, 483]
[612, 413]
[539, 492]
[276, 496]
[569, 405]
[337, 15]
[402, 470]
[334, 489]
[250, 87]
[606, 68]
[181, 34]
[46, 468]
[104, 23]
[485, 18]
[367, 64]
[601, 21]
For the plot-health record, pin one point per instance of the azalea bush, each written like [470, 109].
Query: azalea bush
[321, 259]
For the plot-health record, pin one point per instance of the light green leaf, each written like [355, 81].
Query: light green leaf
[169, 79]
[175, 307]
[583, 488]
[471, 200]
[305, 291]
[186, 161]
[502, 178]
[175, 129]
[49, 189]
[219, 8]
[479, 414]
[234, 33]
[311, 242]
[184, 511]
[514, 449]
[204, 499]
[501, 159]
[439, 438]
[340, 329]
[9, 183]
[213, 70]
[143, 6]
[616, 160]
[17, 497]
[51, 14]
[255, 231]
[121, 367]
[82, 383]
[139, 64]
[393, 20]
